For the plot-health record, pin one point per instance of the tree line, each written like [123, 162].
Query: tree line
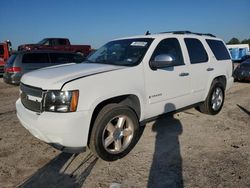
[237, 41]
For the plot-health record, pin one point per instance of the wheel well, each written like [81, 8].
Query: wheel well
[131, 101]
[223, 80]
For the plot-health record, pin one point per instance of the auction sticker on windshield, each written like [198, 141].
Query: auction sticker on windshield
[138, 44]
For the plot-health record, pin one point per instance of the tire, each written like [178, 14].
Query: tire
[107, 139]
[215, 99]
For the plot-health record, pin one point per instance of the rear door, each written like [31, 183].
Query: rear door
[199, 68]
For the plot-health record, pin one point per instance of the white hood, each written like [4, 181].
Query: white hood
[54, 77]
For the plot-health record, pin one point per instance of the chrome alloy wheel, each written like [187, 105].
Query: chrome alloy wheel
[118, 134]
[217, 98]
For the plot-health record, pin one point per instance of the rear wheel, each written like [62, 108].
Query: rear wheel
[215, 99]
[115, 132]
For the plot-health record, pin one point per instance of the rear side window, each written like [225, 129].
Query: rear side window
[35, 58]
[218, 48]
[60, 58]
[62, 42]
[76, 58]
[196, 51]
[66, 58]
[58, 42]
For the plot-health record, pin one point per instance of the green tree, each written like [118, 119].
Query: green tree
[246, 41]
[234, 41]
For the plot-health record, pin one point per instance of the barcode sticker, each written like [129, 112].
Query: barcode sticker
[138, 44]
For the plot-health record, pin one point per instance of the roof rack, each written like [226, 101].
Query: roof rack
[189, 32]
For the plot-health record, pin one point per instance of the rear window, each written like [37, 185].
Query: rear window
[35, 58]
[218, 48]
[11, 59]
[1, 50]
[196, 51]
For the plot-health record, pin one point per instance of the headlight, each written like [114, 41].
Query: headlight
[61, 101]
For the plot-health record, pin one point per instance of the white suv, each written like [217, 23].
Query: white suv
[102, 102]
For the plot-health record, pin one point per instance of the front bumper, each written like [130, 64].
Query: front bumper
[65, 131]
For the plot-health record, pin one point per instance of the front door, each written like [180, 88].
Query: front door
[167, 88]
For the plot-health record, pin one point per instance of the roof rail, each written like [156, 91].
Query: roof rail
[189, 32]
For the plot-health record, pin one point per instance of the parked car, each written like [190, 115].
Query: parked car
[124, 84]
[58, 44]
[242, 72]
[5, 52]
[25, 61]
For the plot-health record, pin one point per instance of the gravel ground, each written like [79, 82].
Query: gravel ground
[188, 149]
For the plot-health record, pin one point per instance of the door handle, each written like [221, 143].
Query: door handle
[184, 74]
[210, 69]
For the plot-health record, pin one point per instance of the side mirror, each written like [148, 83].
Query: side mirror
[161, 61]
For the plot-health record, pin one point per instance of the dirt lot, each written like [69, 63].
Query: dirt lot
[187, 150]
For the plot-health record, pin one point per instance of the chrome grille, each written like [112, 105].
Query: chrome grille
[31, 97]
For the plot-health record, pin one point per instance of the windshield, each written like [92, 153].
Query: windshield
[245, 63]
[126, 52]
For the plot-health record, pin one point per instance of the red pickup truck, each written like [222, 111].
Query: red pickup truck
[59, 44]
[5, 52]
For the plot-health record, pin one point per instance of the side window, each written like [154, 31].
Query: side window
[170, 47]
[35, 58]
[76, 58]
[62, 42]
[218, 48]
[196, 51]
[54, 42]
[59, 58]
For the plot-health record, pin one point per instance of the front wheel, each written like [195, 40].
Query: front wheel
[215, 99]
[115, 132]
